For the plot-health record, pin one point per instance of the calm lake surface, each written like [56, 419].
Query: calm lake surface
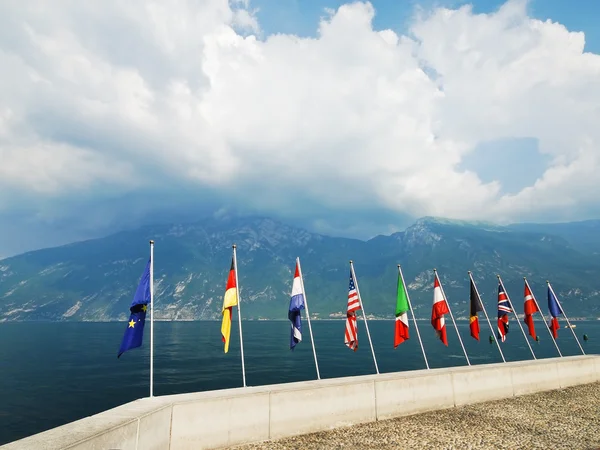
[54, 373]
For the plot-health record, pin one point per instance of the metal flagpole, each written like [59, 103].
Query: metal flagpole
[312, 340]
[566, 318]
[237, 293]
[413, 315]
[364, 314]
[452, 317]
[486, 316]
[516, 317]
[151, 318]
[543, 318]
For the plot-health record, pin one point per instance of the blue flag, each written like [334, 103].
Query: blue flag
[296, 305]
[555, 311]
[134, 332]
[553, 305]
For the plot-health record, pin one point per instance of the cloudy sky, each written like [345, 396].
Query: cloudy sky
[347, 118]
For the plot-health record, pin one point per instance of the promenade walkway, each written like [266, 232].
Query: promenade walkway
[561, 419]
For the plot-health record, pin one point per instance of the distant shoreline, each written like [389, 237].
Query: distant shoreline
[379, 319]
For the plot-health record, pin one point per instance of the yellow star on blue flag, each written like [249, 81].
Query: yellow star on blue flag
[134, 332]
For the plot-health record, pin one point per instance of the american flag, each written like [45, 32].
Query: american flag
[503, 309]
[351, 338]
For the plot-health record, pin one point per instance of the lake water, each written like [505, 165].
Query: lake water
[54, 373]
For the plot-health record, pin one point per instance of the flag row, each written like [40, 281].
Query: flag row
[298, 301]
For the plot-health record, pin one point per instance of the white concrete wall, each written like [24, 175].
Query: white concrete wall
[219, 419]
[405, 393]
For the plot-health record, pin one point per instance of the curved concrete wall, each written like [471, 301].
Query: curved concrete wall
[217, 419]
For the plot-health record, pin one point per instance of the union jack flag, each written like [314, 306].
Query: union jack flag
[504, 308]
[351, 337]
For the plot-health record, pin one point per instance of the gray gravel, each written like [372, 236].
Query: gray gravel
[561, 419]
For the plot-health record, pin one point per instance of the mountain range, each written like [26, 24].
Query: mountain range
[95, 280]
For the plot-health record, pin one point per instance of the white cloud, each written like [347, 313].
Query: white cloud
[131, 94]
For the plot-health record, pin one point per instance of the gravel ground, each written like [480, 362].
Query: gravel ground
[562, 419]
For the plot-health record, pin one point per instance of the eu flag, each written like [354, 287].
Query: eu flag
[134, 332]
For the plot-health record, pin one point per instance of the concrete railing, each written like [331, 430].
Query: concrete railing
[218, 419]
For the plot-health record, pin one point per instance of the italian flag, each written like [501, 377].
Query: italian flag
[401, 314]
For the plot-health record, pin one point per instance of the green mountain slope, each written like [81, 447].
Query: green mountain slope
[96, 279]
[582, 236]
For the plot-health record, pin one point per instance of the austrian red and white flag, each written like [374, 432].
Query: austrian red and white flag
[440, 307]
[530, 308]
[351, 337]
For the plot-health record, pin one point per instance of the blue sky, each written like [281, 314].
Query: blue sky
[301, 16]
[116, 115]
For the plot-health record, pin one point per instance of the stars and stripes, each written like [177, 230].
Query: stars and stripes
[504, 308]
[351, 335]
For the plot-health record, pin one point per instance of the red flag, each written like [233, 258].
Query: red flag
[440, 307]
[530, 309]
[554, 326]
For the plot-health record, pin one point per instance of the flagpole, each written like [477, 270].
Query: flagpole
[543, 318]
[364, 315]
[413, 315]
[151, 318]
[312, 340]
[486, 316]
[516, 317]
[237, 293]
[566, 318]
[452, 317]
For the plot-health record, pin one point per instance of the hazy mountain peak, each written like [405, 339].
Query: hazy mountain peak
[95, 280]
[432, 220]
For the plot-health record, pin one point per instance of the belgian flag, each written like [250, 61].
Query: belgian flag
[475, 308]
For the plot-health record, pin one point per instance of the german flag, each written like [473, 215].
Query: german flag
[229, 301]
[475, 308]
